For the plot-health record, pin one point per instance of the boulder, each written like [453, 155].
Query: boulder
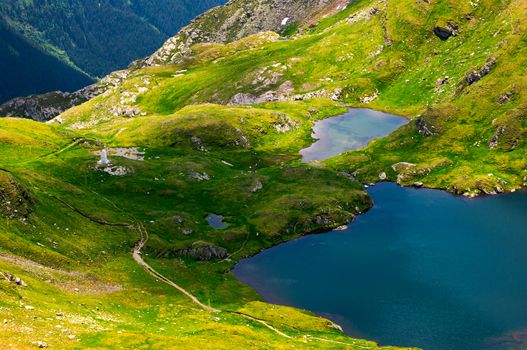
[444, 33]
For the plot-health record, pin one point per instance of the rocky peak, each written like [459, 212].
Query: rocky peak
[238, 19]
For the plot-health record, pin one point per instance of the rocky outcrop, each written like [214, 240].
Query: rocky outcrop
[203, 251]
[444, 33]
[47, 106]
[41, 107]
[15, 201]
[422, 127]
[475, 75]
[239, 19]
[13, 279]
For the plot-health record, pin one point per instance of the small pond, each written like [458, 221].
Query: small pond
[349, 131]
[216, 221]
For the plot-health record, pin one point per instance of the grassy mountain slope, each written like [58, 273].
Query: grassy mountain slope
[71, 243]
[224, 24]
[21, 62]
[239, 19]
[467, 91]
[221, 133]
[93, 38]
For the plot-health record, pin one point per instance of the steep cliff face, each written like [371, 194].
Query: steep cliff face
[239, 19]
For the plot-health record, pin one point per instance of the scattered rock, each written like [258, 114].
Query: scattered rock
[284, 123]
[10, 278]
[476, 75]
[126, 111]
[444, 33]
[199, 176]
[368, 99]
[257, 186]
[506, 97]
[402, 166]
[442, 81]
[365, 15]
[116, 170]
[418, 184]
[422, 127]
[199, 143]
[15, 201]
[495, 139]
[42, 344]
[382, 176]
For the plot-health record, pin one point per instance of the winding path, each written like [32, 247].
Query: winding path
[136, 253]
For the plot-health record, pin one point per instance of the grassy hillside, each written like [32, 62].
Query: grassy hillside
[70, 228]
[70, 42]
[465, 93]
[219, 134]
[26, 69]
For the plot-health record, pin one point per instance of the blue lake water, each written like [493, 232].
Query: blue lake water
[422, 268]
[349, 131]
[216, 221]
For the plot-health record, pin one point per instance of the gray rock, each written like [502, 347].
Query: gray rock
[444, 33]
[203, 251]
[506, 97]
[235, 20]
[257, 186]
[476, 75]
[47, 106]
[199, 176]
[402, 166]
[382, 176]
[422, 127]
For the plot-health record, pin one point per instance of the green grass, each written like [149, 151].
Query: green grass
[184, 126]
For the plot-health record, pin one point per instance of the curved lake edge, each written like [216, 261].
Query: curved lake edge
[336, 318]
[333, 228]
[357, 127]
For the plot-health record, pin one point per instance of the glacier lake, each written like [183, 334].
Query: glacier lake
[422, 268]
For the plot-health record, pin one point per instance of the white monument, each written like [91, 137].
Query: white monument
[104, 158]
